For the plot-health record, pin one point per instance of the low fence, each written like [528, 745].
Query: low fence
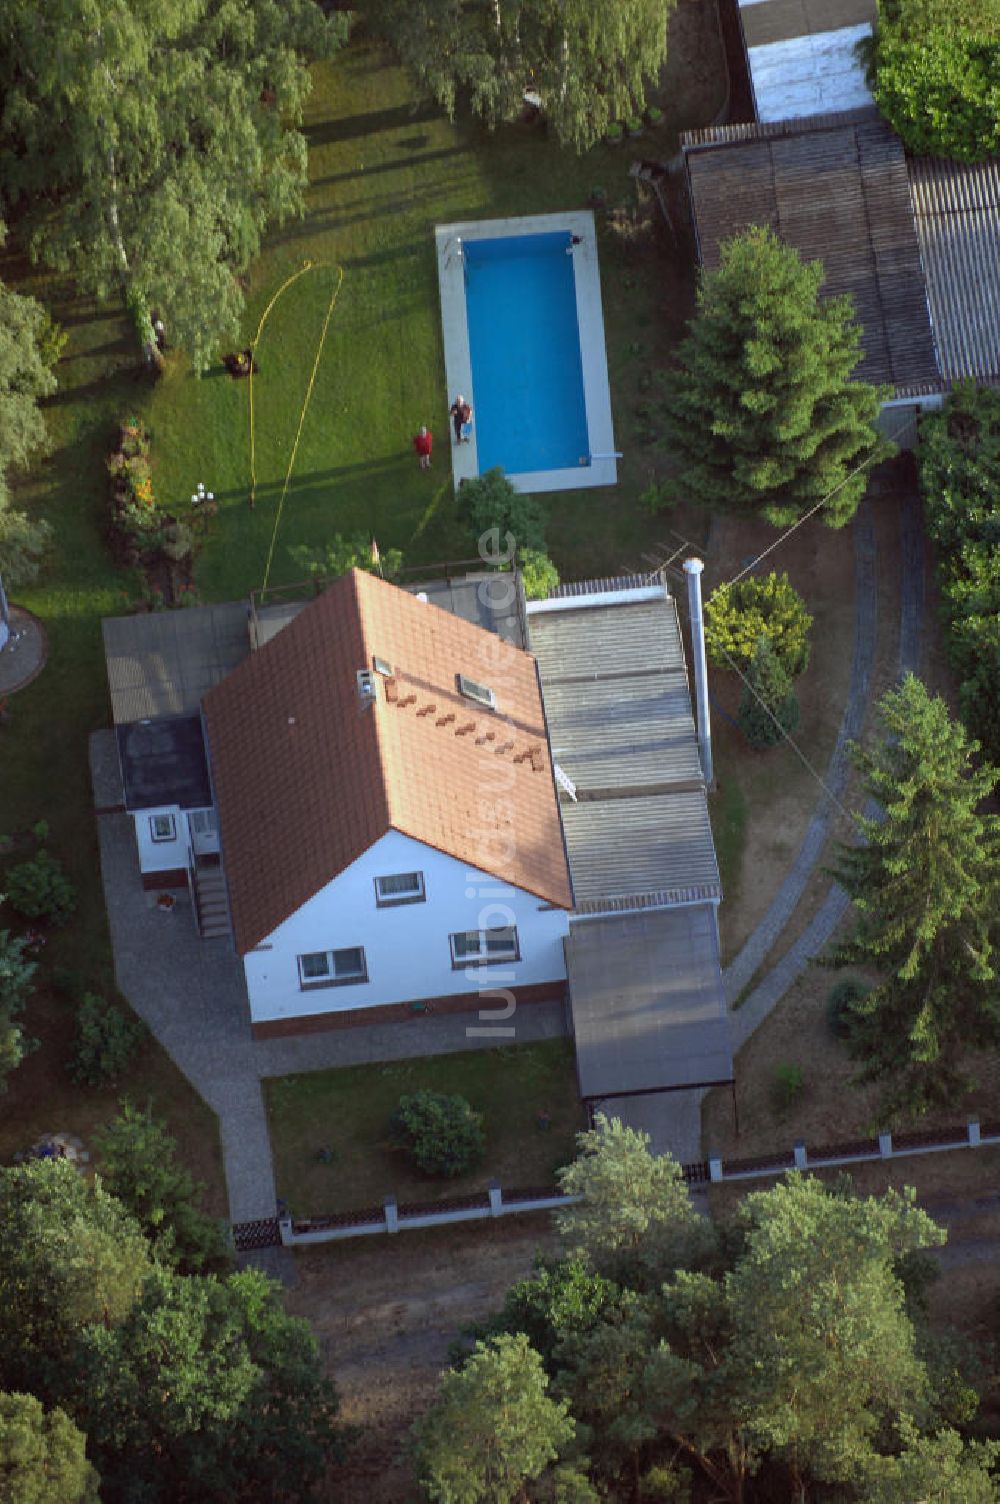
[392, 1217]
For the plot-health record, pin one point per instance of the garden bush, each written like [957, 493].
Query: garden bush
[137, 1160]
[490, 502]
[787, 1087]
[770, 684]
[106, 1040]
[40, 889]
[934, 71]
[443, 1134]
[738, 616]
[958, 458]
[335, 558]
[839, 1005]
[538, 574]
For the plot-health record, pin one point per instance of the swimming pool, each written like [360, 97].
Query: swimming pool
[524, 342]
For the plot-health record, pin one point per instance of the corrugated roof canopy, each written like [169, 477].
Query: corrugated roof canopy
[838, 193]
[957, 210]
[648, 1008]
[620, 723]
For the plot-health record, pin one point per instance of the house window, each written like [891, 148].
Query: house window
[333, 968]
[399, 887]
[484, 947]
[162, 827]
[481, 693]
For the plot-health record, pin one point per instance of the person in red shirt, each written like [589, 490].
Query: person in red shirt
[423, 443]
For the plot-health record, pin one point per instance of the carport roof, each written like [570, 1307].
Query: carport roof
[648, 1008]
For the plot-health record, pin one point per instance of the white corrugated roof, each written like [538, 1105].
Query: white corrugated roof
[810, 75]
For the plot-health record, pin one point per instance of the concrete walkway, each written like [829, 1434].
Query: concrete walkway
[192, 995]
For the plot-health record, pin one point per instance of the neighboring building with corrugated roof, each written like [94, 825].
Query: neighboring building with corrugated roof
[956, 206]
[837, 190]
[803, 55]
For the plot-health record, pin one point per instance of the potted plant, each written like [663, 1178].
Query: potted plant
[165, 901]
[654, 115]
[634, 125]
[614, 133]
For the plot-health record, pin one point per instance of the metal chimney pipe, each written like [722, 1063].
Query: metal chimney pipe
[693, 569]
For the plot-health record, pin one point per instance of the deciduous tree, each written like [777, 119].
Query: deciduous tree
[762, 411]
[43, 1456]
[494, 1427]
[153, 142]
[589, 64]
[70, 1256]
[206, 1391]
[925, 892]
[635, 1221]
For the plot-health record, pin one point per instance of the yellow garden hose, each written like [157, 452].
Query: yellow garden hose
[306, 266]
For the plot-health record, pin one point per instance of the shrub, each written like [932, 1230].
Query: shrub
[40, 889]
[839, 1005]
[342, 553]
[768, 708]
[787, 1087]
[177, 541]
[106, 1040]
[137, 1160]
[494, 509]
[738, 616]
[538, 574]
[443, 1134]
[959, 463]
[933, 67]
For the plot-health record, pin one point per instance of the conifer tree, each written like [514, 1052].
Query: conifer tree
[761, 410]
[768, 708]
[925, 888]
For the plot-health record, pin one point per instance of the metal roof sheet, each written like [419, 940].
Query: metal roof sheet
[620, 726]
[957, 210]
[163, 762]
[647, 1001]
[162, 663]
[809, 74]
[656, 845]
[837, 193]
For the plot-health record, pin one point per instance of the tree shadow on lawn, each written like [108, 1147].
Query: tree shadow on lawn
[350, 127]
[397, 164]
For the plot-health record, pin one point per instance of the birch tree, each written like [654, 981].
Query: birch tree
[152, 141]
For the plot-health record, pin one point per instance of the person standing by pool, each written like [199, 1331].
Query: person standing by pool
[460, 413]
[423, 443]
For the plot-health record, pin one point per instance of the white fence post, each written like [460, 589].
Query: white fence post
[973, 1129]
[496, 1199]
[285, 1229]
[714, 1167]
[885, 1145]
[391, 1215]
[799, 1150]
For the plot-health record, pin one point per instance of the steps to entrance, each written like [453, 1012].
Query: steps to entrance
[212, 903]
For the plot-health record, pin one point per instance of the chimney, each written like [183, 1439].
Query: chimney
[693, 569]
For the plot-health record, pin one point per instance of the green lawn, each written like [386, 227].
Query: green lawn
[384, 171]
[347, 1112]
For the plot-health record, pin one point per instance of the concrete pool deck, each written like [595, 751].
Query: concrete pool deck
[593, 353]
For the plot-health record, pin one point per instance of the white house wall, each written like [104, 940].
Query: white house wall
[406, 945]
[161, 856]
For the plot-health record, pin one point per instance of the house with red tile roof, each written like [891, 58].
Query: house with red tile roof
[388, 814]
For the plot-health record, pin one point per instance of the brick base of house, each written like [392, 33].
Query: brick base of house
[174, 877]
[462, 1002]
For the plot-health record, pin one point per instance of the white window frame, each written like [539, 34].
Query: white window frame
[171, 822]
[484, 956]
[387, 899]
[330, 977]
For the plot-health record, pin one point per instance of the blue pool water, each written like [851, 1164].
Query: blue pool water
[524, 342]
